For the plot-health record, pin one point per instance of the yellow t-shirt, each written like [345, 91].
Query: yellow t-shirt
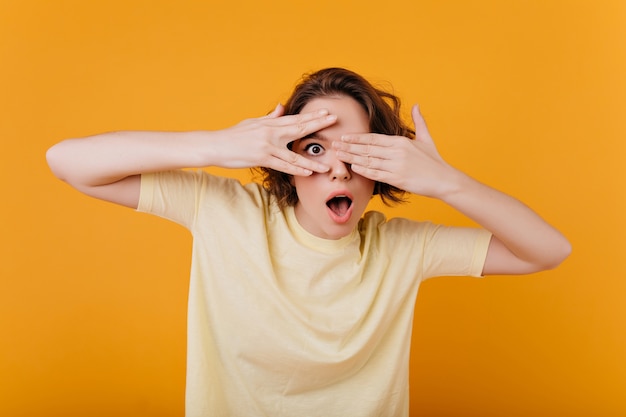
[283, 323]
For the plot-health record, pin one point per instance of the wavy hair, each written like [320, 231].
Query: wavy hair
[381, 107]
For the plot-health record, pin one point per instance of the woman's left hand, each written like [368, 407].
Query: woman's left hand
[411, 165]
[522, 241]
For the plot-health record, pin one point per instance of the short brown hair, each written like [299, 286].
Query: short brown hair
[381, 107]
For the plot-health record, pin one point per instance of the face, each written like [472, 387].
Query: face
[330, 204]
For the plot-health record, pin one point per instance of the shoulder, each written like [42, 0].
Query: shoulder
[198, 191]
[375, 221]
[396, 234]
[202, 182]
[399, 230]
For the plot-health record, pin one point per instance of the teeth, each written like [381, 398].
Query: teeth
[341, 196]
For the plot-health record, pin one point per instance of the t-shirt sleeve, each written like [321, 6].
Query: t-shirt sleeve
[431, 250]
[181, 195]
[454, 251]
[173, 195]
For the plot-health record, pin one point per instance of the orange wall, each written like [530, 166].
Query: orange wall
[528, 96]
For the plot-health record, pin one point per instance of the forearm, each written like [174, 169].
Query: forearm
[523, 232]
[109, 157]
[523, 242]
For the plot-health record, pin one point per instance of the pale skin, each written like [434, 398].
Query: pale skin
[522, 242]
[109, 166]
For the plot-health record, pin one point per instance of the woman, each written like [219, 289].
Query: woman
[301, 303]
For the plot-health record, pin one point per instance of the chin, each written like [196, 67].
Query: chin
[339, 231]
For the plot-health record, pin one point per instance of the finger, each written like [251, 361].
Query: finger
[289, 160]
[421, 130]
[373, 139]
[360, 150]
[371, 173]
[365, 161]
[294, 119]
[305, 126]
[378, 151]
[281, 165]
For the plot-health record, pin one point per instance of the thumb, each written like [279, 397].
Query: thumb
[277, 112]
[421, 130]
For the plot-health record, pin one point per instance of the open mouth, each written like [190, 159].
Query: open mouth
[339, 205]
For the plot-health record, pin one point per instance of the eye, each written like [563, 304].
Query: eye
[314, 149]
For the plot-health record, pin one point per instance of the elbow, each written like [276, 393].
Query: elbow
[54, 160]
[57, 157]
[550, 257]
[558, 254]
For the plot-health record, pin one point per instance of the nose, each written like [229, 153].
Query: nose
[339, 170]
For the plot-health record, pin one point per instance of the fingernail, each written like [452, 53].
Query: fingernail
[323, 112]
[331, 117]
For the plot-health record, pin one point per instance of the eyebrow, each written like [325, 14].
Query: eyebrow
[316, 135]
[312, 136]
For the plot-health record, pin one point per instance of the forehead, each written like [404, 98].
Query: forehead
[351, 117]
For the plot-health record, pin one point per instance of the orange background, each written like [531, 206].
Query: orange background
[528, 96]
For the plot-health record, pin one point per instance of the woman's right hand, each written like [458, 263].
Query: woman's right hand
[263, 142]
[108, 166]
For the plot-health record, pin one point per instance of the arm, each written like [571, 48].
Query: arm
[108, 166]
[522, 241]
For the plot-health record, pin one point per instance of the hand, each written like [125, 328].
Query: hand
[263, 142]
[522, 242]
[411, 165]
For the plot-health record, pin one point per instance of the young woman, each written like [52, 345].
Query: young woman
[301, 303]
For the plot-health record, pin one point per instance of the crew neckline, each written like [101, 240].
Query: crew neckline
[314, 242]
